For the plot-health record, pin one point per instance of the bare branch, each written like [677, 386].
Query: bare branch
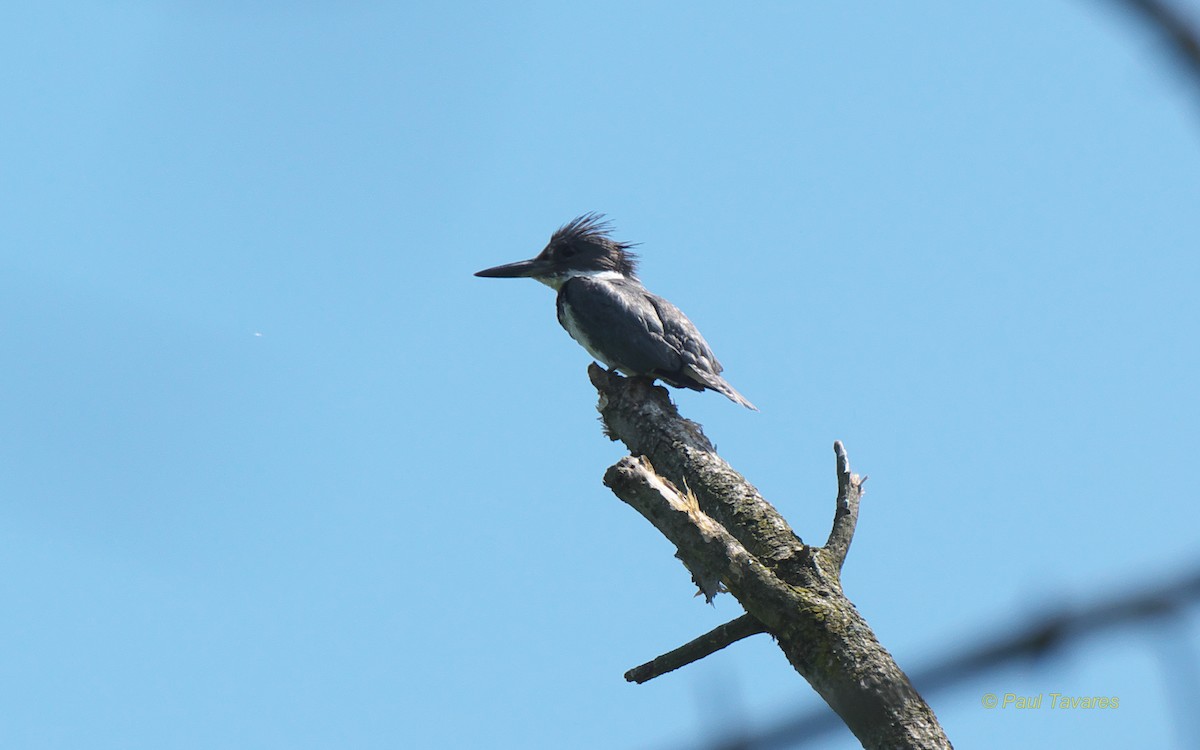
[642, 416]
[845, 518]
[704, 545]
[711, 642]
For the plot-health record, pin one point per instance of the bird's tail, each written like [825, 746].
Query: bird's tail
[715, 382]
[731, 393]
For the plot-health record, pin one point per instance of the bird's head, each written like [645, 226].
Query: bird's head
[581, 247]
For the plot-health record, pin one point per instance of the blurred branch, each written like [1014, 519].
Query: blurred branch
[727, 533]
[1051, 633]
[1177, 29]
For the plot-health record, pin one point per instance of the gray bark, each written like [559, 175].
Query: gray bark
[727, 533]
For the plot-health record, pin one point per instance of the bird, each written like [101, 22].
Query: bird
[604, 307]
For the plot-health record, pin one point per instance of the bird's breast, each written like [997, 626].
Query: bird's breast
[570, 322]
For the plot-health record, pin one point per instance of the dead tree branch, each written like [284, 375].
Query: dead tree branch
[726, 533]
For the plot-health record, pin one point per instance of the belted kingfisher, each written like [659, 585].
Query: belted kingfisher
[604, 307]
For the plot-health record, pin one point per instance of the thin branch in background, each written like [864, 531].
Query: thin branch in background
[1178, 30]
[1051, 633]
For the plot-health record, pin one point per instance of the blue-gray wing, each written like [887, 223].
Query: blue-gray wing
[618, 325]
[639, 333]
[632, 330]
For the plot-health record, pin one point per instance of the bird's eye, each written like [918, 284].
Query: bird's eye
[566, 251]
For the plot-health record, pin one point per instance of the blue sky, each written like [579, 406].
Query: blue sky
[279, 472]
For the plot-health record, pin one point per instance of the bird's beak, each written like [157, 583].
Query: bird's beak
[520, 269]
